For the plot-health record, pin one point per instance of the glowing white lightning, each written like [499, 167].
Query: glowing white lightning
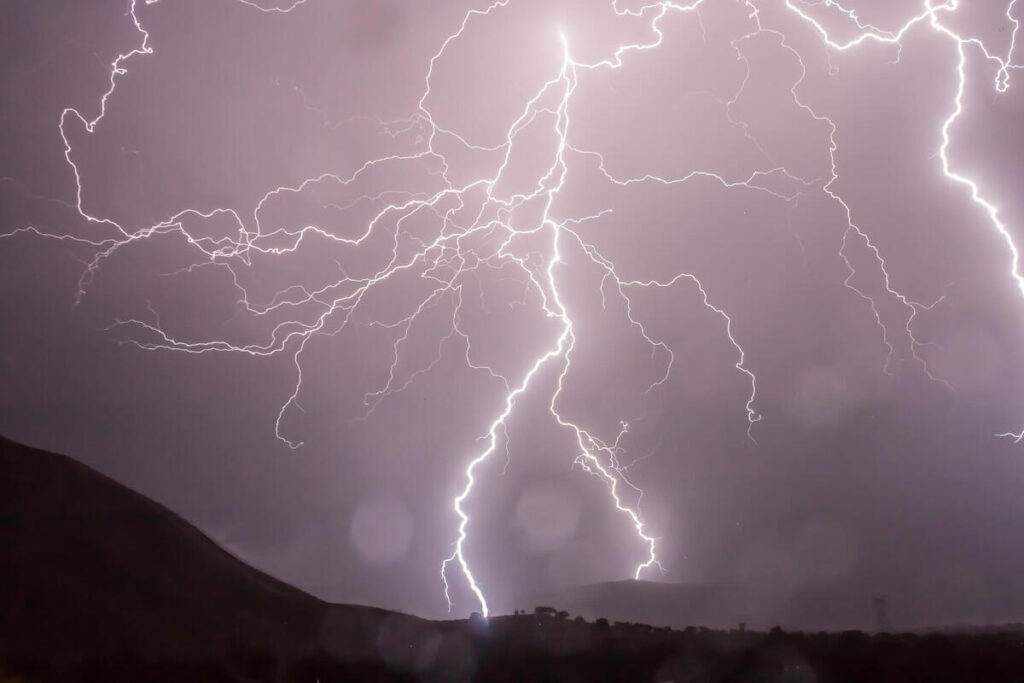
[931, 15]
[446, 259]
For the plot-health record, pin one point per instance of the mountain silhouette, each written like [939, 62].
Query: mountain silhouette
[98, 584]
[821, 605]
[90, 570]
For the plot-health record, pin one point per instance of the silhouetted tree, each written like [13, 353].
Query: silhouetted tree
[478, 624]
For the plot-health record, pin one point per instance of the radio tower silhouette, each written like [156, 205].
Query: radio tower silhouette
[881, 606]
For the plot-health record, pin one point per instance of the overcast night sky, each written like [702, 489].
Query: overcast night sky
[875, 461]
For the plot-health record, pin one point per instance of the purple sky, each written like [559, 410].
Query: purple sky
[875, 461]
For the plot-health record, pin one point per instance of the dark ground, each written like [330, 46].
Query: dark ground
[98, 583]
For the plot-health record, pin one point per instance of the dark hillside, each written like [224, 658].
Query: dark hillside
[90, 566]
[101, 585]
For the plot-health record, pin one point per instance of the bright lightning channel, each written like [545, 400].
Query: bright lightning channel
[446, 260]
[930, 15]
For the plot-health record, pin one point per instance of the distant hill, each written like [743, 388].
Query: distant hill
[101, 585]
[815, 606]
[820, 605]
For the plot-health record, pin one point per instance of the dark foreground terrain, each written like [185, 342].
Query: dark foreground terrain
[98, 583]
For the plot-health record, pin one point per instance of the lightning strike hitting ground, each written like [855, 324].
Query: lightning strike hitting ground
[446, 260]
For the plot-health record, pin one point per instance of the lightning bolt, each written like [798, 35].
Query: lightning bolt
[478, 230]
[930, 16]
